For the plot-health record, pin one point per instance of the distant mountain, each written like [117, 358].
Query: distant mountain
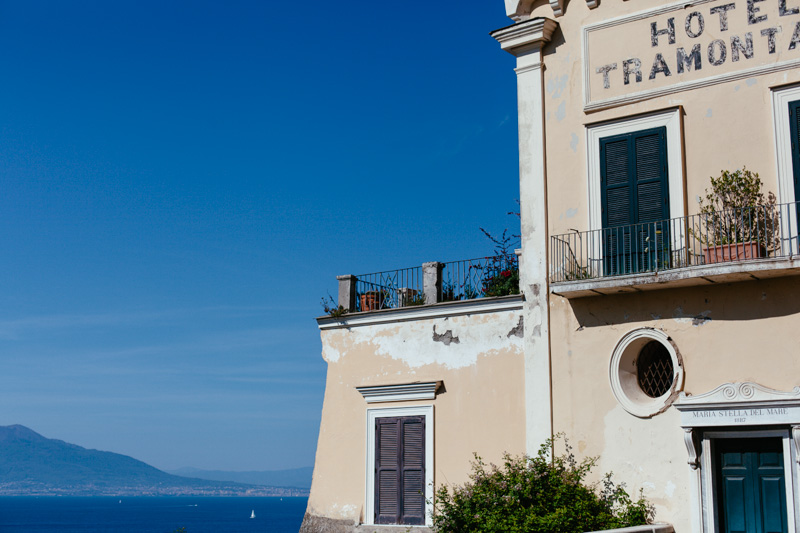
[31, 464]
[295, 477]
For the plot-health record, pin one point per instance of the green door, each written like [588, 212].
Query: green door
[750, 485]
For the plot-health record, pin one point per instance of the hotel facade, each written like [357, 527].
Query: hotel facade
[655, 332]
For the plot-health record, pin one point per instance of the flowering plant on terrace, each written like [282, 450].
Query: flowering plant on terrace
[502, 276]
[501, 273]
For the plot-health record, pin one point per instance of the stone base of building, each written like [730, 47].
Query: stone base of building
[320, 524]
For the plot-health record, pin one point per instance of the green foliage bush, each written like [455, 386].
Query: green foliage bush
[535, 494]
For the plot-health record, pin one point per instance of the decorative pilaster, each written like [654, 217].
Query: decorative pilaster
[796, 441]
[525, 41]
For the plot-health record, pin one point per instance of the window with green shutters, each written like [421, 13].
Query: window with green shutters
[635, 202]
[400, 470]
[794, 132]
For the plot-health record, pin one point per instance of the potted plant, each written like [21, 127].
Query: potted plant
[373, 300]
[737, 221]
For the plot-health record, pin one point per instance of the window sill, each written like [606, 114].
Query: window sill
[683, 277]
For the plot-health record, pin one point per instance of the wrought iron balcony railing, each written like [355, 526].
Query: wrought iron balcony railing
[733, 235]
[431, 283]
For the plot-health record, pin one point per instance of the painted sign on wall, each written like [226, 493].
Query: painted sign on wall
[687, 45]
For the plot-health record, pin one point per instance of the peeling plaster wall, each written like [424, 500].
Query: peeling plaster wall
[725, 333]
[481, 409]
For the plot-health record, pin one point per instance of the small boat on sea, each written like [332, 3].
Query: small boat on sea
[253, 513]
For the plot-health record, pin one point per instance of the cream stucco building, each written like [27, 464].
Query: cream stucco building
[655, 335]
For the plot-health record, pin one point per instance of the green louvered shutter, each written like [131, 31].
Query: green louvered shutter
[635, 200]
[400, 470]
[794, 131]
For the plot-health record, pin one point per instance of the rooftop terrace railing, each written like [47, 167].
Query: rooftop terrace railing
[389, 289]
[731, 235]
[430, 283]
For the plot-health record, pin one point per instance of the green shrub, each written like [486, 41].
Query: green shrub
[535, 494]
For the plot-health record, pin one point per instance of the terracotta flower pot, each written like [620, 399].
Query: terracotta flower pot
[733, 252]
[371, 300]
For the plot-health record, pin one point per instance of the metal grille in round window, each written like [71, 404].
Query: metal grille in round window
[654, 369]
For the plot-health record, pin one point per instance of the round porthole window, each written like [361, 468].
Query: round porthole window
[646, 372]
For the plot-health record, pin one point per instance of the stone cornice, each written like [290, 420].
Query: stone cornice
[523, 36]
[518, 10]
[423, 312]
[732, 395]
[402, 392]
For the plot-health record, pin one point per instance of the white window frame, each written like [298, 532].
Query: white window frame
[709, 498]
[624, 379]
[372, 414]
[783, 155]
[672, 120]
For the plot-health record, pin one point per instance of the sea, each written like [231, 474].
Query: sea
[150, 514]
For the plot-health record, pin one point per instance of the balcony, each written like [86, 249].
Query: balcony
[726, 246]
[430, 283]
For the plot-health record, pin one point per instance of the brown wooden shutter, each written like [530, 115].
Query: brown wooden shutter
[413, 470]
[387, 470]
[400, 470]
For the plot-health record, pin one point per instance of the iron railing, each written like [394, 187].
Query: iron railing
[477, 278]
[738, 234]
[460, 280]
[389, 289]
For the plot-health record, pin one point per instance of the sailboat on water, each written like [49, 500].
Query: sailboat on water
[253, 513]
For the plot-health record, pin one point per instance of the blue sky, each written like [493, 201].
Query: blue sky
[182, 182]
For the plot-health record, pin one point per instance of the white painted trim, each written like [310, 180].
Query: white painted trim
[783, 142]
[783, 154]
[708, 503]
[523, 36]
[662, 91]
[440, 310]
[372, 414]
[624, 382]
[745, 394]
[400, 393]
[671, 119]
[526, 46]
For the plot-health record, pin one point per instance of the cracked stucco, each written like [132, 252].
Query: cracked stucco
[453, 342]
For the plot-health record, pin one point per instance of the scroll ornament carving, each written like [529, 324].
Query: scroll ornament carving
[740, 392]
[691, 447]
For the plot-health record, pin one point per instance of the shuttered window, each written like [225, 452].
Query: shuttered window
[794, 131]
[635, 199]
[400, 470]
